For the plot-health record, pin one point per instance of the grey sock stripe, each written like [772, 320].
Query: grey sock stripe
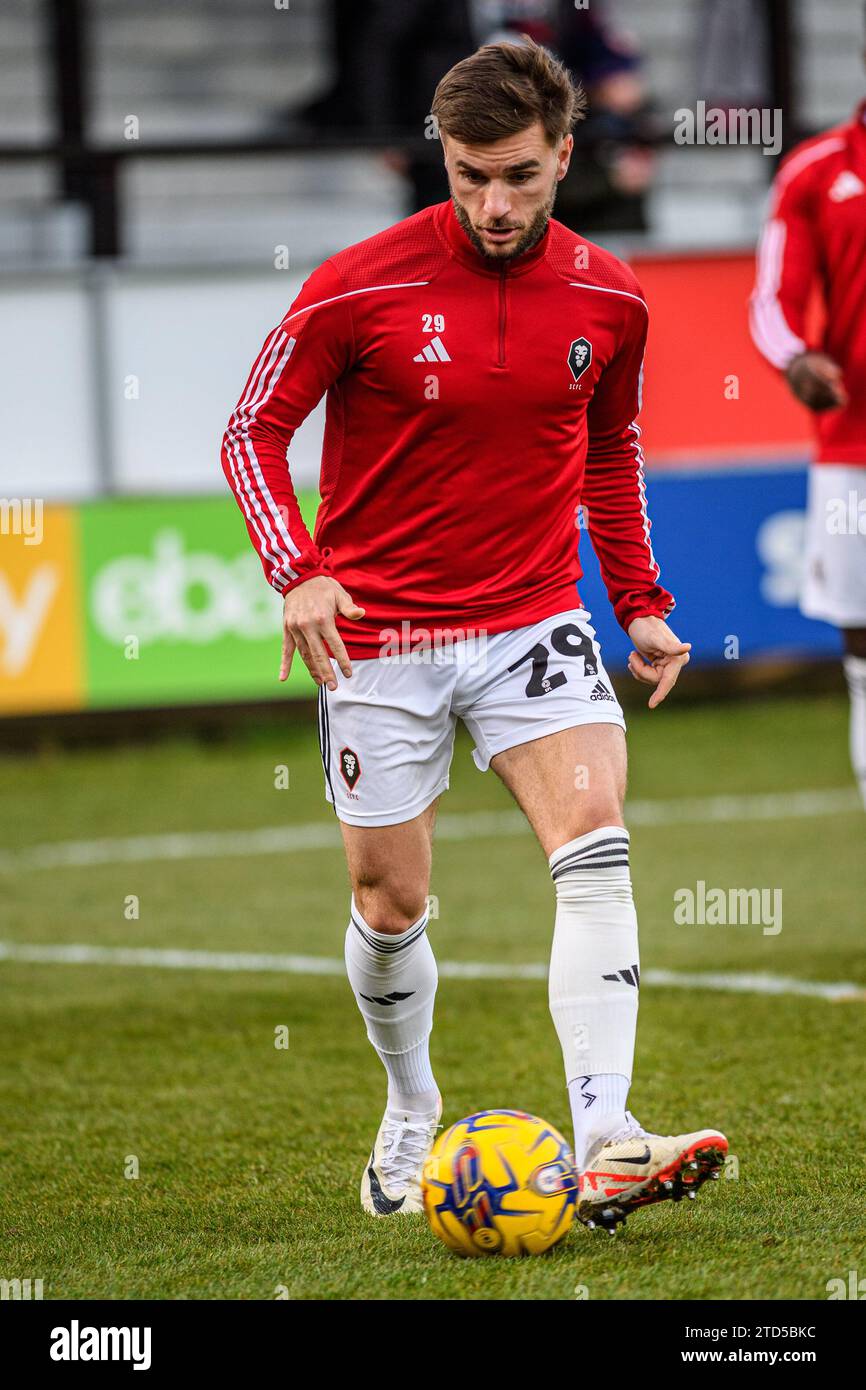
[595, 856]
[619, 847]
[400, 943]
[574, 868]
[622, 839]
[620, 851]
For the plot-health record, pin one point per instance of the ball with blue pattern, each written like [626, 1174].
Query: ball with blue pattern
[501, 1182]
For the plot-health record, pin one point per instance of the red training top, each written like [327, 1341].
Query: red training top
[472, 410]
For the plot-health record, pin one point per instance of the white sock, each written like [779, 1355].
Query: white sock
[394, 979]
[855, 674]
[594, 978]
[597, 1109]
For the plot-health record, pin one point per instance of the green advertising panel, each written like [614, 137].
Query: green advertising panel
[177, 609]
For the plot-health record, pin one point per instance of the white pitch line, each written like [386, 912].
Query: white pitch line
[320, 835]
[240, 961]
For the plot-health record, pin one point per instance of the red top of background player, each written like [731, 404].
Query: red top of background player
[815, 234]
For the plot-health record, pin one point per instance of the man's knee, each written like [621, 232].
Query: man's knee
[594, 813]
[388, 902]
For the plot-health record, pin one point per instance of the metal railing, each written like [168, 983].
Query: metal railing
[91, 173]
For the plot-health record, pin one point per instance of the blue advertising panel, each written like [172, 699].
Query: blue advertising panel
[730, 545]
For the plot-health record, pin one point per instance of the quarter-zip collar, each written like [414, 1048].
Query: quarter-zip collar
[463, 251]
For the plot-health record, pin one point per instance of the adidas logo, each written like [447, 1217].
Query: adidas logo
[846, 185]
[434, 351]
[600, 692]
[395, 997]
[629, 976]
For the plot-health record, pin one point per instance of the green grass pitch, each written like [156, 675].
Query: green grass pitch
[249, 1155]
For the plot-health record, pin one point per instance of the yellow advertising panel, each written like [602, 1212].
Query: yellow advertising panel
[40, 608]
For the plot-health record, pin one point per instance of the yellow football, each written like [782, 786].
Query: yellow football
[500, 1183]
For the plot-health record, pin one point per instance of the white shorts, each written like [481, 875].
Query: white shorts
[834, 574]
[387, 733]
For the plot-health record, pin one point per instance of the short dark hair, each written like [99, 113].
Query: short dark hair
[503, 88]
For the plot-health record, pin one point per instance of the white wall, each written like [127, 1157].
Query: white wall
[152, 361]
[47, 397]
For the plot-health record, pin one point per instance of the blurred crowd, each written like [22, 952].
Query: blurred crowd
[388, 56]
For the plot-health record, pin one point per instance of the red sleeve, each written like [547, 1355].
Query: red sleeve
[300, 359]
[787, 260]
[614, 492]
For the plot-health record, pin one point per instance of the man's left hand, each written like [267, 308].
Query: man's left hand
[659, 656]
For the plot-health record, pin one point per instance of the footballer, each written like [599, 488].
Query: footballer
[815, 236]
[482, 367]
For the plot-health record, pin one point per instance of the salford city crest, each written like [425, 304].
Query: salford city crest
[579, 357]
[350, 767]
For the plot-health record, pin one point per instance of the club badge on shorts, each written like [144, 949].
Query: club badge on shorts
[350, 767]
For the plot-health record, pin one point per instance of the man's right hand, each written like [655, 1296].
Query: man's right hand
[309, 613]
[817, 381]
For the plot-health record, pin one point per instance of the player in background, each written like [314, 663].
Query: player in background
[815, 236]
[482, 365]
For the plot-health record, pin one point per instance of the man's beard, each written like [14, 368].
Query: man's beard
[528, 238]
